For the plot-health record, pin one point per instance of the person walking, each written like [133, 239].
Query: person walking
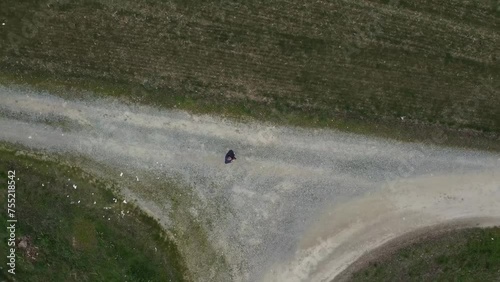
[230, 156]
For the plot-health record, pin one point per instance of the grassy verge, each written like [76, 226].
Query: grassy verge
[80, 234]
[387, 68]
[461, 255]
[191, 221]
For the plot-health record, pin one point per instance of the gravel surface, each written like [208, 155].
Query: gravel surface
[300, 205]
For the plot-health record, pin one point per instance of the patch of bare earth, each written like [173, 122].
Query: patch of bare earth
[28, 249]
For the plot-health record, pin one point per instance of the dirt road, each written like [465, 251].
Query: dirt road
[297, 205]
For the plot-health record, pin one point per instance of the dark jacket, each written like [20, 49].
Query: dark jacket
[229, 157]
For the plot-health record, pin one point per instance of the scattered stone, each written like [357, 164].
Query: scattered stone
[74, 186]
[121, 174]
[23, 244]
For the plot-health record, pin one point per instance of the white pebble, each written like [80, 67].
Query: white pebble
[74, 186]
[3, 23]
[67, 196]
[29, 137]
[121, 174]
[137, 178]
[124, 201]
[78, 201]
[94, 202]
[43, 185]
[109, 218]
[92, 193]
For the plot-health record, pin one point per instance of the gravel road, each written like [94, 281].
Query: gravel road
[300, 205]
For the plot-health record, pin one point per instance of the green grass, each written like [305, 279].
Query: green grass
[191, 232]
[76, 241]
[357, 66]
[462, 255]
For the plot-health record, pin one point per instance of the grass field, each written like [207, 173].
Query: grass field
[394, 68]
[80, 234]
[462, 255]
[412, 70]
